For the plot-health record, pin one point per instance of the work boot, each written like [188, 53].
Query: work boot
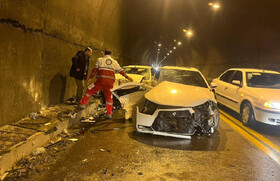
[80, 106]
[109, 116]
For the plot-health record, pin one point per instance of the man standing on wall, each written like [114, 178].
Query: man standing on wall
[79, 70]
[104, 69]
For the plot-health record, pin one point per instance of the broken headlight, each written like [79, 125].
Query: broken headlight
[206, 116]
[149, 107]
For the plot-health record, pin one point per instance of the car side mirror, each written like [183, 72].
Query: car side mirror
[236, 82]
[213, 85]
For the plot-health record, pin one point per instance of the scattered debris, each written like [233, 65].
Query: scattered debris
[102, 150]
[73, 139]
[137, 152]
[85, 160]
[67, 114]
[139, 173]
[53, 143]
[34, 116]
[65, 131]
[38, 151]
[73, 115]
[4, 175]
[104, 171]
[112, 174]
[82, 131]
[88, 121]
[47, 124]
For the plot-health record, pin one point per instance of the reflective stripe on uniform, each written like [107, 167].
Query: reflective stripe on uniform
[88, 95]
[119, 70]
[104, 76]
[105, 68]
[109, 103]
[108, 68]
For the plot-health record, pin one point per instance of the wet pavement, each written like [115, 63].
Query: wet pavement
[269, 131]
[112, 150]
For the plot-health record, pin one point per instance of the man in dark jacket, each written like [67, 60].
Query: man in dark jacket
[79, 70]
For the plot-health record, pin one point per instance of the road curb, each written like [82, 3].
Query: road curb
[39, 139]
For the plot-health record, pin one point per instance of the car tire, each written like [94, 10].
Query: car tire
[247, 114]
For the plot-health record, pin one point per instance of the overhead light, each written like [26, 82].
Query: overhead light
[173, 91]
[174, 48]
[167, 54]
[179, 43]
[159, 45]
[189, 33]
[216, 5]
[170, 51]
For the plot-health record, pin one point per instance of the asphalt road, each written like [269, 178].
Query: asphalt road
[112, 150]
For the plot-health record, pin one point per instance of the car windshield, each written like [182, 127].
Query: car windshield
[182, 77]
[139, 71]
[263, 80]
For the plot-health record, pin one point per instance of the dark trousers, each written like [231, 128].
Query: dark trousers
[80, 89]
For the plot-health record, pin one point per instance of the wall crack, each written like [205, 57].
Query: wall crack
[16, 24]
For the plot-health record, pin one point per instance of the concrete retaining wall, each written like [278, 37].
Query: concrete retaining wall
[38, 40]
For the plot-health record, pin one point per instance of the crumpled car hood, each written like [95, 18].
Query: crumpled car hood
[136, 78]
[175, 94]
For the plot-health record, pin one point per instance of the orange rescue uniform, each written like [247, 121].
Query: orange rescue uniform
[104, 69]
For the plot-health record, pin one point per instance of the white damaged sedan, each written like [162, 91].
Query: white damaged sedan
[179, 106]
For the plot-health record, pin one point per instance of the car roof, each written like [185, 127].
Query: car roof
[254, 70]
[138, 66]
[180, 68]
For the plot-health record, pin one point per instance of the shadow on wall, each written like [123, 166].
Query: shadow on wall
[57, 89]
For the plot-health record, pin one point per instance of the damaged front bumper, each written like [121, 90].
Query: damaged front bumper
[179, 122]
[127, 96]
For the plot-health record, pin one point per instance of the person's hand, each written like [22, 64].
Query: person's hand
[130, 79]
[89, 81]
[77, 70]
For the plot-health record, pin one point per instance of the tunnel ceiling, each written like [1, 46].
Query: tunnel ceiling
[240, 31]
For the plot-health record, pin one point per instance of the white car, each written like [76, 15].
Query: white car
[139, 74]
[179, 106]
[127, 96]
[253, 93]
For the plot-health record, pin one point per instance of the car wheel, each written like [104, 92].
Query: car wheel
[247, 115]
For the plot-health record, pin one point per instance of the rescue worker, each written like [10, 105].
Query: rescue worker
[104, 69]
[79, 70]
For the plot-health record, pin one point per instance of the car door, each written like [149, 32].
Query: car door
[233, 91]
[222, 86]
